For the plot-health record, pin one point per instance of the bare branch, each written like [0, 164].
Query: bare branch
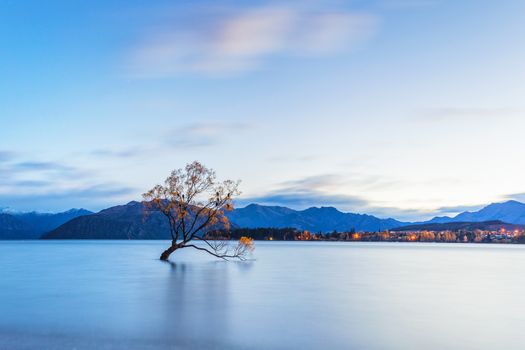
[221, 256]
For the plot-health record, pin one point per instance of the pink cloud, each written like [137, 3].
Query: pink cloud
[242, 40]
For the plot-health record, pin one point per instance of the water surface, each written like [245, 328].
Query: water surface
[295, 295]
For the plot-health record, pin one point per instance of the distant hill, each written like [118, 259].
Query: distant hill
[16, 225]
[255, 215]
[493, 225]
[512, 212]
[44, 222]
[13, 228]
[119, 222]
[323, 219]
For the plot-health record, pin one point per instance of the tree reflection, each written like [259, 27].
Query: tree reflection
[196, 304]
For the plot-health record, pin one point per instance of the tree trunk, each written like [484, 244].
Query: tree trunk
[166, 254]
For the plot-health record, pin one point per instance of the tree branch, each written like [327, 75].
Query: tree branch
[221, 256]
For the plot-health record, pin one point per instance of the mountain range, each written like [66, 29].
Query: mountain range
[512, 212]
[129, 222]
[312, 219]
[15, 225]
[493, 225]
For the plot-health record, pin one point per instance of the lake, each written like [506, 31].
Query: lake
[294, 295]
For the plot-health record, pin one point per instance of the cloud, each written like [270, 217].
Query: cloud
[46, 185]
[41, 166]
[241, 39]
[194, 135]
[346, 203]
[320, 190]
[401, 214]
[203, 134]
[305, 199]
[31, 183]
[403, 4]
[520, 197]
[332, 190]
[317, 182]
[6, 156]
[337, 182]
[468, 113]
[123, 153]
[92, 197]
[309, 191]
[453, 210]
[293, 158]
[13, 171]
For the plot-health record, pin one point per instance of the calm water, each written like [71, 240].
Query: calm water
[116, 295]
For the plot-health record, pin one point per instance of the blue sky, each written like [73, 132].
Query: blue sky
[402, 108]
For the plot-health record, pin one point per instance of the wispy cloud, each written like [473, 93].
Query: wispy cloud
[41, 166]
[403, 4]
[203, 134]
[122, 153]
[6, 155]
[336, 190]
[314, 183]
[14, 171]
[240, 39]
[189, 136]
[309, 191]
[453, 210]
[304, 199]
[50, 185]
[347, 203]
[468, 113]
[293, 158]
[31, 183]
[92, 197]
[320, 190]
[520, 197]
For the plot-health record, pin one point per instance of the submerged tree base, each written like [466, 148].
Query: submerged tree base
[218, 249]
[166, 254]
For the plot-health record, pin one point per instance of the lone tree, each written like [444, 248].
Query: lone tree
[194, 203]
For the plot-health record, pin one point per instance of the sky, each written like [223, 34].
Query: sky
[397, 108]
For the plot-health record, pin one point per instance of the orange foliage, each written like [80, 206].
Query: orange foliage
[427, 236]
[304, 236]
[247, 242]
[449, 236]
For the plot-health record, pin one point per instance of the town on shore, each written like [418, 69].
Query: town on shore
[501, 235]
